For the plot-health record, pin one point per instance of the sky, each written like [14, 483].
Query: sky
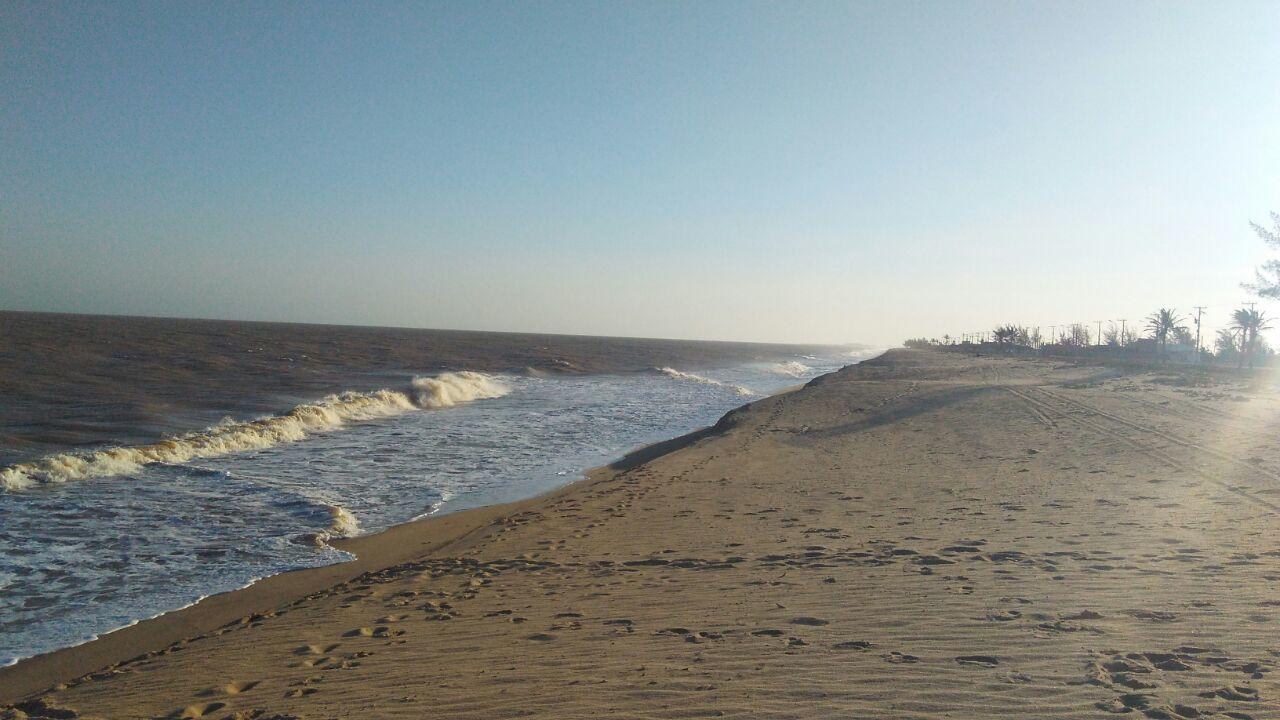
[794, 172]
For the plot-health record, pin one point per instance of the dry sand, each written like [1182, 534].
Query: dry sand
[925, 536]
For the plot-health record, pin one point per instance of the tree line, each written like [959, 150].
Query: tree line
[1167, 332]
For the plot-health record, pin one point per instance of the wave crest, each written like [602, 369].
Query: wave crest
[792, 368]
[691, 377]
[230, 436]
[452, 388]
[341, 524]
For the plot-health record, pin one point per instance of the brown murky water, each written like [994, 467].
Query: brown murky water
[70, 381]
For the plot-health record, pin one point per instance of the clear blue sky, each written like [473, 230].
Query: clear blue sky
[782, 171]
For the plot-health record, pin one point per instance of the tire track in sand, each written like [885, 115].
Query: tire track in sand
[1086, 415]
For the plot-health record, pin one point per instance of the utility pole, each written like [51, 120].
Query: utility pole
[1053, 333]
[1099, 332]
[1199, 311]
[1123, 334]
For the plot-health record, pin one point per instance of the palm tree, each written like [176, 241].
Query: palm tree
[1248, 322]
[1161, 323]
[1267, 284]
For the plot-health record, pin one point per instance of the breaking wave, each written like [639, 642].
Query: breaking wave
[341, 524]
[230, 436]
[453, 388]
[690, 377]
[792, 368]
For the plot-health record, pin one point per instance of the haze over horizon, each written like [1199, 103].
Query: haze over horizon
[788, 172]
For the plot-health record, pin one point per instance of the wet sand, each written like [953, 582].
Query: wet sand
[924, 535]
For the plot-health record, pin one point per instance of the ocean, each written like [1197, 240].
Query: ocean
[147, 463]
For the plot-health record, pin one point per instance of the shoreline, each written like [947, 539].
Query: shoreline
[392, 546]
[399, 543]
[919, 536]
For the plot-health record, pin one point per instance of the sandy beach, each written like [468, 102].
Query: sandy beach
[924, 535]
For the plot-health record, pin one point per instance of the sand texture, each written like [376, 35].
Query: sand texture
[927, 535]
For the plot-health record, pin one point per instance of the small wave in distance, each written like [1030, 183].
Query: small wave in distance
[691, 377]
[792, 368]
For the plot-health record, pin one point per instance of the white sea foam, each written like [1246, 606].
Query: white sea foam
[792, 368]
[452, 388]
[691, 377]
[343, 523]
[230, 436]
[435, 507]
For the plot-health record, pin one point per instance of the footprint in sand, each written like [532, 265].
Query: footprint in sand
[1156, 615]
[1237, 693]
[541, 637]
[621, 624]
[853, 645]
[898, 658]
[380, 631]
[983, 660]
[316, 649]
[810, 621]
[200, 710]
[1083, 615]
[1001, 616]
[235, 688]
[300, 692]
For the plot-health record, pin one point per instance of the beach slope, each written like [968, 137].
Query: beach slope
[923, 535]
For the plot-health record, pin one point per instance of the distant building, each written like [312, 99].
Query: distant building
[1180, 353]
